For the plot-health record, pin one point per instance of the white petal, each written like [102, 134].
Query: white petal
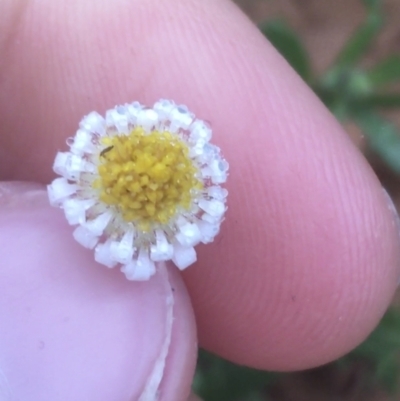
[75, 209]
[71, 166]
[98, 225]
[208, 231]
[59, 190]
[133, 110]
[141, 269]
[210, 153]
[197, 149]
[163, 250]
[147, 119]
[129, 269]
[85, 237]
[102, 254]
[188, 235]
[117, 117]
[122, 251]
[214, 208]
[217, 192]
[199, 130]
[82, 142]
[211, 219]
[183, 256]
[60, 163]
[180, 117]
[145, 263]
[93, 122]
[219, 171]
[74, 166]
[206, 172]
[163, 108]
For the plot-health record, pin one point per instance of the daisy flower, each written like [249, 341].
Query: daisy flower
[143, 185]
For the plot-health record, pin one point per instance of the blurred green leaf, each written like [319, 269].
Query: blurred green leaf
[359, 43]
[342, 90]
[340, 109]
[382, 348]
[372, 4]
[219, 380]
[385, 100]
[359, 83]
[387, 372]
[384, 140]
[385, 72]
[287, 42]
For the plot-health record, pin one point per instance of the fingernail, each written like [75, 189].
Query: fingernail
[17, 193]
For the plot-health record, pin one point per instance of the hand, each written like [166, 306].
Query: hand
[308, 257]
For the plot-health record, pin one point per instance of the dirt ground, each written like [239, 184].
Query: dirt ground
[324, 26]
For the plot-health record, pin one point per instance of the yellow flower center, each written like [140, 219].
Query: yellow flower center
[147, 177]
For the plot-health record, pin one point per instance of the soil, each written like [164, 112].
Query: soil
[324, 26]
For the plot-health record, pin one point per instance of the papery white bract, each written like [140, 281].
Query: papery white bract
[143, 185]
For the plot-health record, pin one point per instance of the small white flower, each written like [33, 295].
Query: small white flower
[142, 185]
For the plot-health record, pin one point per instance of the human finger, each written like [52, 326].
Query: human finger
[308, 257]
[73, 331]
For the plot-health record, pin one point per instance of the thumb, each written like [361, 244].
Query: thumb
[73, 330]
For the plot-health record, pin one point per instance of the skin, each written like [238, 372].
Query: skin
[307, 260]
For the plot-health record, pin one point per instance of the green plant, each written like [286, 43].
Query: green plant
[349, 91]
[219, 380]
[380, 353]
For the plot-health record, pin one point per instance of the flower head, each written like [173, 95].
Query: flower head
[142, 185]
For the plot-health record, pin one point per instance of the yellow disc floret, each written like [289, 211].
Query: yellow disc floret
[149, 177]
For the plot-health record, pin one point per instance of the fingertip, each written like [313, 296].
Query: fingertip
[73, 329]
[308, 257]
